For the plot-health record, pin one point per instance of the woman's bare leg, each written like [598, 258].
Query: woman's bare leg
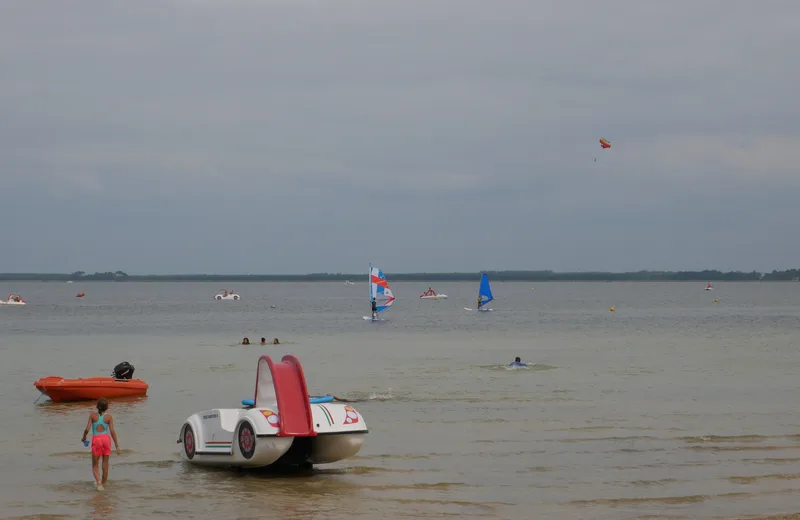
[105, 469]
[96, 469]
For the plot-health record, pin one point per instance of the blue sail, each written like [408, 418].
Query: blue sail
[485, 292]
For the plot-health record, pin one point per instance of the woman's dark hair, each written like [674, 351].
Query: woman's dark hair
[102, 405]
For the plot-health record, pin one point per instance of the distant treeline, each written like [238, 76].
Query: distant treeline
[508, 276]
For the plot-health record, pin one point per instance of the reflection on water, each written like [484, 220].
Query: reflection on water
[669, 408]
[120, 404]
[102, 506]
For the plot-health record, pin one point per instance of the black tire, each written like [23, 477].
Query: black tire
[189, 442]
[247, 440]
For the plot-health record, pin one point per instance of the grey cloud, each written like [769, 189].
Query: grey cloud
[316, 125]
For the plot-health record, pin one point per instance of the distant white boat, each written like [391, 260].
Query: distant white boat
[348, 282]
[709, 287]
[225, 294]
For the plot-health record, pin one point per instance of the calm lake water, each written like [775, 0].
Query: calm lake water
[673, 406]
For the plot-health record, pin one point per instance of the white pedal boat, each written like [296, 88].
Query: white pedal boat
[430, 294]
[13, 299]
[227, 295]
[282, 429]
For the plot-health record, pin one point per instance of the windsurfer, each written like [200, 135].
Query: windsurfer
[480, 302]
[374, 308]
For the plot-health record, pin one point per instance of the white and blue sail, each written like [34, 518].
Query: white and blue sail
[379, 291]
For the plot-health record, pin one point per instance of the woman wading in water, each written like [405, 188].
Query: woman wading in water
[102, 426]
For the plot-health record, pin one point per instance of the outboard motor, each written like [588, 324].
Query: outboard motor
[123, 371]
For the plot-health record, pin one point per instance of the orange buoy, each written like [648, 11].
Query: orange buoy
[80, 295]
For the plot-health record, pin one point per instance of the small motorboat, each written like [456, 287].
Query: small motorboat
[709, 287]
[13, 299]
[282, 427]
[120, 384]
[225, 294]
[430, 294]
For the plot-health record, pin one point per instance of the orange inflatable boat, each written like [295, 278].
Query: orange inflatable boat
[90, 388]
[121, 384]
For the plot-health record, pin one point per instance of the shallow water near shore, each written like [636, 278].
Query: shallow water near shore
[673, 406]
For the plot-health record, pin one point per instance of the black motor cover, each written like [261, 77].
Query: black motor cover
[124, 370]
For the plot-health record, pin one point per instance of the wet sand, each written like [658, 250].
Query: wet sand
[791, 516]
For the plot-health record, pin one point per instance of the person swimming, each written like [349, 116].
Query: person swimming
[263, 341]
[245, 341]
[517, 363]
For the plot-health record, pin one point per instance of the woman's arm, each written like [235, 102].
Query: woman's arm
[113, 433]
[88, 427]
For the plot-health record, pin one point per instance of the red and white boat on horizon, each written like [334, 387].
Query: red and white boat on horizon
[430, 294]
[13, 299]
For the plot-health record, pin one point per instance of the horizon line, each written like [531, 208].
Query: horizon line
[500, 275]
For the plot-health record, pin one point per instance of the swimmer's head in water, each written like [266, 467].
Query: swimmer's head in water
[263, 340]
[102, 405]
[517, 360]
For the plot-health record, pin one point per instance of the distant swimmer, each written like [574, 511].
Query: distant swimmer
[245, 341]
[275, 341]
[263, 341]
[517, 363]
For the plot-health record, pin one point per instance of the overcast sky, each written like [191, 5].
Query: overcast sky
[294, 136]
